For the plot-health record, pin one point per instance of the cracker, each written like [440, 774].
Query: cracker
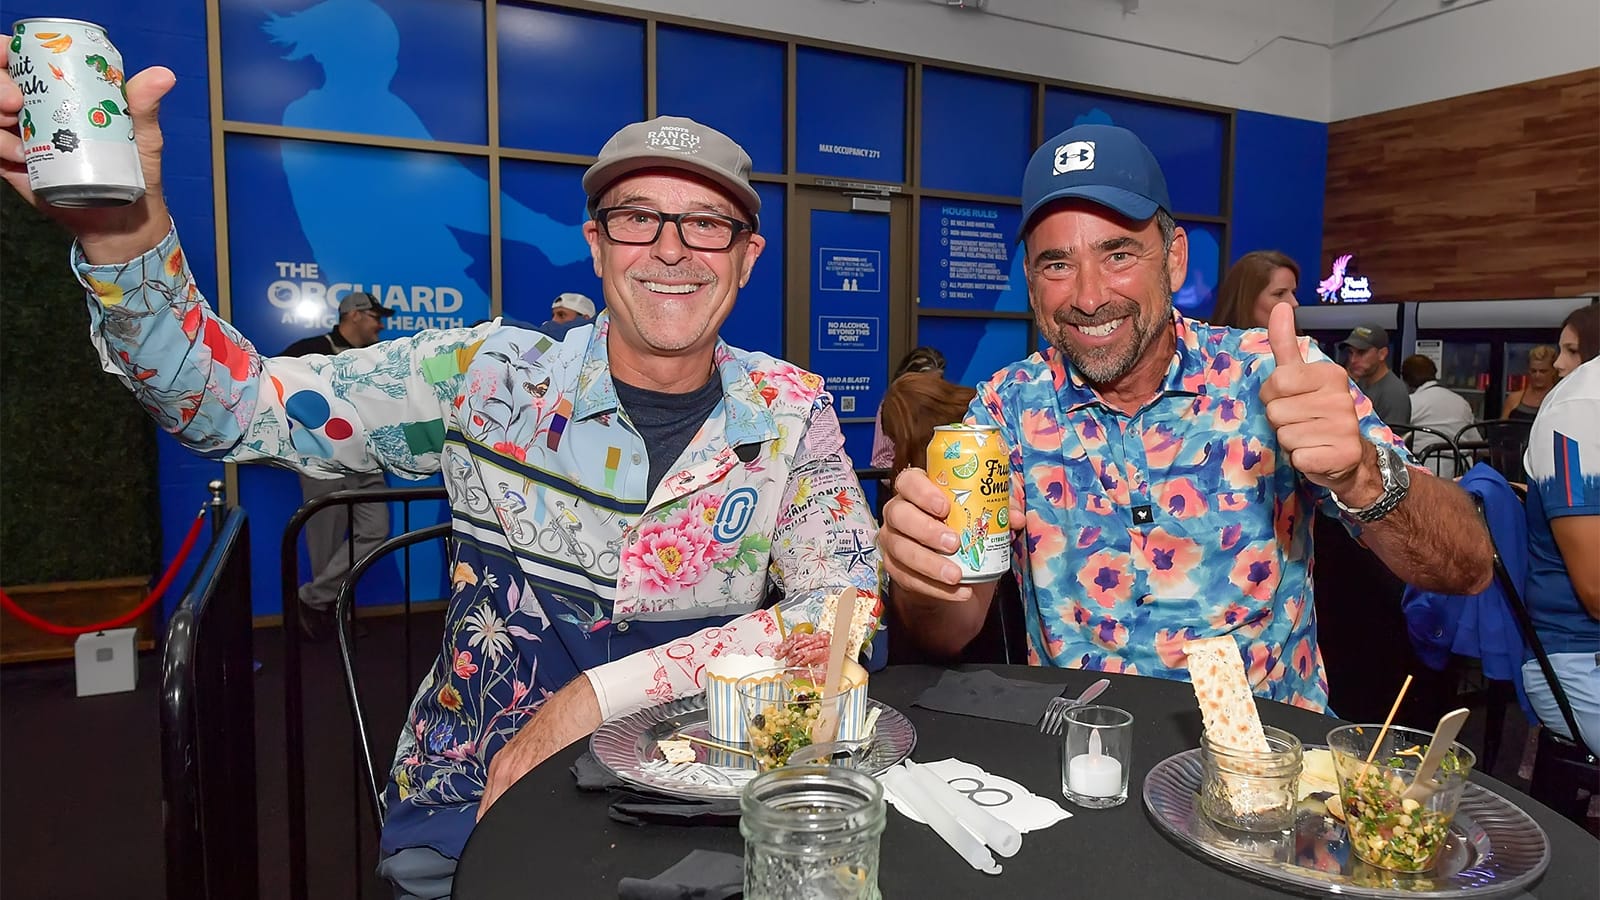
[1227, 707]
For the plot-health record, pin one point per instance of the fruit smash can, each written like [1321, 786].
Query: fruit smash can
[972, 465]
[76, 131]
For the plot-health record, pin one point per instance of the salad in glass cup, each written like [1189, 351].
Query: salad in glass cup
[1389, 827]
[780, 707]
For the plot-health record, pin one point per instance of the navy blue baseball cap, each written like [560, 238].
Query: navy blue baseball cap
[1102, 164]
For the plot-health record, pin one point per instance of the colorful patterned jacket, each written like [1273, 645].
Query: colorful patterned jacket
[1178, 522]
[563, 565]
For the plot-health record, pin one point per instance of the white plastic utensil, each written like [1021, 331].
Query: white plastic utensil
[826, 727]
[1444, 737]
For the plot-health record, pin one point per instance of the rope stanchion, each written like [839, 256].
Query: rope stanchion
[155, 594]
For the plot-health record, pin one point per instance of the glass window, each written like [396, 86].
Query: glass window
[568, 80]
[977, 132]
[733, 84]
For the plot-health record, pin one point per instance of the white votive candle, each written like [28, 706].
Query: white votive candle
[1094, 775]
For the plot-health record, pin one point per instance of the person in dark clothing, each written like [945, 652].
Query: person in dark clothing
[1368, 365]
[329, 533]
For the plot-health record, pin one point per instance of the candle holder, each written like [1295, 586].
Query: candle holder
[1095, 756]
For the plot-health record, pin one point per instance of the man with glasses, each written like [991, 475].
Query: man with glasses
[720, 474]
[366, 524]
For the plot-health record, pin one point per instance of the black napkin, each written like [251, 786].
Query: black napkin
[988, 696]
[702, 875]
[634, 805]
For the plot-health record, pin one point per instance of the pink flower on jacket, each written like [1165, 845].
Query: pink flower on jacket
[668, 559]
[464, 666]
[794, 384]
[704, 507]
[696, 523]
[513, 450]
[1104, 577]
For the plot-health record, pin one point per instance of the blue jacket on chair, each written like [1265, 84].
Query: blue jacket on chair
[1482, 625]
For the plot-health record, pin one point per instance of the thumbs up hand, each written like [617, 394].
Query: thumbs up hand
[1310, 408]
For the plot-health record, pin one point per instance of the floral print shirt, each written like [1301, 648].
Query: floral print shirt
[563, 564]
[1178, 522]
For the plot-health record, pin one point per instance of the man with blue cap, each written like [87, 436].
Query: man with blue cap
[1164, 470]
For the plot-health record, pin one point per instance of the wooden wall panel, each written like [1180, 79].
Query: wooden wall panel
[1488, 195]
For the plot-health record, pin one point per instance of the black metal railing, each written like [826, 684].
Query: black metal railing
[208, 748]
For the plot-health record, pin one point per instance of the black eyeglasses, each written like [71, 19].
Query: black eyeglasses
[642, 225]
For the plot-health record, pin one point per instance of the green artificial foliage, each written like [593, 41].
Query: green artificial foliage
[77, 454]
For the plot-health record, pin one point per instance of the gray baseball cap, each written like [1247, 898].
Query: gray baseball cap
[359, 300]
[1365, 337]
[673, 142]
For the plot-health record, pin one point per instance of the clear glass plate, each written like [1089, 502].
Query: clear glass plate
[626, 747]
[1494, 848]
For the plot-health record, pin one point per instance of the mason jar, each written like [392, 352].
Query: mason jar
[811, 833]
[1248, 790]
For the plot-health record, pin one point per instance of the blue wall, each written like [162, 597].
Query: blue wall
[1280, 166]
[172, 34]
[278, 71]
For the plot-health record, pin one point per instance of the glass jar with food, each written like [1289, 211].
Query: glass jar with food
[1248, 790]
[781, 709]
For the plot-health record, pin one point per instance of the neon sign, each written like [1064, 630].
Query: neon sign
[1340, 287]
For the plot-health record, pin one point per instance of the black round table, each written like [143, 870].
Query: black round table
[546, 838]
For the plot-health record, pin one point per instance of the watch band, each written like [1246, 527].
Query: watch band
[1396, 484]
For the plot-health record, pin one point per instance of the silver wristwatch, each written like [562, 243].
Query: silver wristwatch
[1396, 483]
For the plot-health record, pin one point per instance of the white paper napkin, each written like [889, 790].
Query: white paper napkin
[1008, 801]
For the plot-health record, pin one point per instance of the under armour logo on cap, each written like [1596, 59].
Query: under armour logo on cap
[1074, 157]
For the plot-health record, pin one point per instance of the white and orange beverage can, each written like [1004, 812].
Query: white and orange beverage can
[972, 465]
[77, 135]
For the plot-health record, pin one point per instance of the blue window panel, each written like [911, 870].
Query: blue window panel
[309, 222]
[568, 80]
[1280, 166]
[733, 84]
[757, 320]
[1198, 295]
[850, 116]
[970, 257]
[404, 68]
[974, 349]
[542, 249]
[1189, 143]
[977, 132]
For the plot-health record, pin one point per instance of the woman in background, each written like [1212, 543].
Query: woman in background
[1563, 510]
[922, 359]
[1523, 405]
[915, 405]
[1260, 280]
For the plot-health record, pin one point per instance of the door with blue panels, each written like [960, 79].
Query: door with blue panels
[849, 309]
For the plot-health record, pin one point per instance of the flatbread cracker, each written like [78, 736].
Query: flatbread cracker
[676, 751]
[1227, 707]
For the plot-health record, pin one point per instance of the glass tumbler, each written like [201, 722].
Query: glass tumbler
[811, 833]
[1095, 756]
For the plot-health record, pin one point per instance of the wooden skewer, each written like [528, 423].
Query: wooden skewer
[1378, 741]
[712, 744]
[777, 616]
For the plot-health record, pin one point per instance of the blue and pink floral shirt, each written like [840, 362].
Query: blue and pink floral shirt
[564, 563]
[1178, 522]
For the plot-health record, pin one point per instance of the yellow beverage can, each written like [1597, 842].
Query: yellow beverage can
[972, 465]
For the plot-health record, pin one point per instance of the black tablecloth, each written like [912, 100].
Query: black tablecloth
[544, 838]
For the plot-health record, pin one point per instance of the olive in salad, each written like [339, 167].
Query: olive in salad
[782, 728]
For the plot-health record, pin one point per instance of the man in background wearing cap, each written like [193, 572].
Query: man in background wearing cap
[571, 309]
[623, 501]
[1368, 364]
[367, 524]
[1164, 470]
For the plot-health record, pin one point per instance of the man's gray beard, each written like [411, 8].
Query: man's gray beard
[1105, 365]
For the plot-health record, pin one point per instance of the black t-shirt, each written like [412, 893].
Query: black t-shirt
[329, 344]
[667, 422]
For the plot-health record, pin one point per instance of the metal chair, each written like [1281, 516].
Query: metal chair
[1441, 455]
[1499, 442]
[208, 749]
[376, 774]
[1564, 770]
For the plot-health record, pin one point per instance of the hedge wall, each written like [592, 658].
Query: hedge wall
[77, 453]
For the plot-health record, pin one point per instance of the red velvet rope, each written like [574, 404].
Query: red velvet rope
[155, 594]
